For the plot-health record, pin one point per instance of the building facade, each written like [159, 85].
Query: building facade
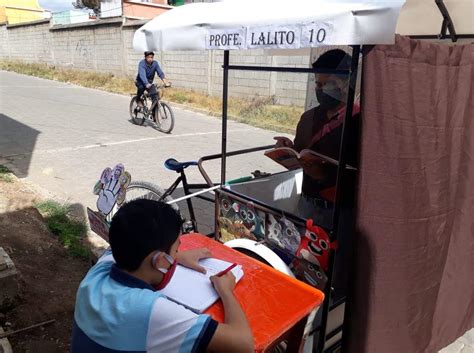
[19, 11]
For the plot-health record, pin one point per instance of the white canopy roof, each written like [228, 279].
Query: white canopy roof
[270, 24]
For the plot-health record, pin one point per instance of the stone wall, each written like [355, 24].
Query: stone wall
[106, 46]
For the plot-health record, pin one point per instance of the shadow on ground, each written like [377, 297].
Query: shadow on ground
[17, 143]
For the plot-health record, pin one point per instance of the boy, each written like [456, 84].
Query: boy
[118, 309]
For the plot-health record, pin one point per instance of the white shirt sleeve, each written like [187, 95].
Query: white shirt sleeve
[175, 329]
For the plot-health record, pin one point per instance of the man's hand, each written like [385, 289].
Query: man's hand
[315, 169]
[224, 284]
[166, 83]
[190, 258]
[148, 86]
[282, 141]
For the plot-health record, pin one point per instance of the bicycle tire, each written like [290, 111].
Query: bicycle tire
[133, 114]
[164, 114]
[150, 191]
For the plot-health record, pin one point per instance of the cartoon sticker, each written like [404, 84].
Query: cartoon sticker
[310, 273]
[239, 220]
[283, 233]
[315, 246]
[111, 188]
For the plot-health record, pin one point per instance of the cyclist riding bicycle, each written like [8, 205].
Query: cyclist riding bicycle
[146, 74]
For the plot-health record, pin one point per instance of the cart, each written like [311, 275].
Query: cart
[259, 216]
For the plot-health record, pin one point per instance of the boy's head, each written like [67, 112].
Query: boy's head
[140, 229]
[149, 57]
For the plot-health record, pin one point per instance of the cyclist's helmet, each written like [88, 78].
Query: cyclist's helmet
[149, 53]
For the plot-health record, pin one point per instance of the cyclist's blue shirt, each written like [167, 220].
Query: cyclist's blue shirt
[116, 312]
[146, 73]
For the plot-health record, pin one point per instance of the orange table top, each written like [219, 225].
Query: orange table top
[272, 301]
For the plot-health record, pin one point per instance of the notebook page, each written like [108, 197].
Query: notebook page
[194, 289]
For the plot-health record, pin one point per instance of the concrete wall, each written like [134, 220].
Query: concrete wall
[106, 46]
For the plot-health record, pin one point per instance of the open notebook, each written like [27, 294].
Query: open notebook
[193, 289]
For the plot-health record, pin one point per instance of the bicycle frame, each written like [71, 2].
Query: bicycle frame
[187, 187]
[145, 96]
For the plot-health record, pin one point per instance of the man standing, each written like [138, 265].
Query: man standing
[146, 74]
[320, 130]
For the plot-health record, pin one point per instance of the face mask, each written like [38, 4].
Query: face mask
[327, 101]
[167, 273]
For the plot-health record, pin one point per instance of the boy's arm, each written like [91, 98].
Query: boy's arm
[234, 335]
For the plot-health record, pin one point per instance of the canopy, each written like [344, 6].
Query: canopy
[271, 24]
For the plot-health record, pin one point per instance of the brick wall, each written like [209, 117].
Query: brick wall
[106, 46]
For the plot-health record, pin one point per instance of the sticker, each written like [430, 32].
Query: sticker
[111, 188]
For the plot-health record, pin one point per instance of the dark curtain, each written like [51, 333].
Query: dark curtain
[413, 290]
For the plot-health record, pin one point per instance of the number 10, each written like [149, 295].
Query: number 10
[320, 35]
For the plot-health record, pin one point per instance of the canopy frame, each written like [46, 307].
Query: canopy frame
[446, 25]
[322, 335]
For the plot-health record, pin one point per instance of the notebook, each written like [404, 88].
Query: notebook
[193, 289]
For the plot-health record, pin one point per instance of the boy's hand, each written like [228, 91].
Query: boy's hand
[282, 141]
[190, 258]
[224, 284]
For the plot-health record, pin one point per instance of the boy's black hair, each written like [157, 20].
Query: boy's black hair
[335, 59]
[141, 227]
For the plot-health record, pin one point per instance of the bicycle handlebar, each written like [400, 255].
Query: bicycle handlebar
[161, 85]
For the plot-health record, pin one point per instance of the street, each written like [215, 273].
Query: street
[59, 137]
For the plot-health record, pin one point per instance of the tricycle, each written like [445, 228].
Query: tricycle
[260, 215]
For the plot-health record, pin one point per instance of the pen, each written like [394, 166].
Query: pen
[222, 273]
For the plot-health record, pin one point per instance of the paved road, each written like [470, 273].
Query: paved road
[60, 137]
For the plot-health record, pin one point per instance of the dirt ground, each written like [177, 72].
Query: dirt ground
[49, 277]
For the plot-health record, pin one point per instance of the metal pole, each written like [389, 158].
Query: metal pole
[225, 93]
[339, 183]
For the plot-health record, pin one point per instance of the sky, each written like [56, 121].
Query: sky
[56, 5]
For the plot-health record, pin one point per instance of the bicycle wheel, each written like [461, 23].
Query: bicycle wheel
[164, 117]
[143, 190]
[138, 118]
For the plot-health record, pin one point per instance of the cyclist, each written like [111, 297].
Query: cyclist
[146, 74]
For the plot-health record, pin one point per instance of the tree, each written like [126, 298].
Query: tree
[94, 5]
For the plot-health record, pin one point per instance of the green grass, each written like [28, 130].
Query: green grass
[5, 174]
[259, 111]
[70, 232]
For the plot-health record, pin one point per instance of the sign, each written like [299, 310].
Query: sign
[316, 34]
[98, 224]
[225, 39]
[270, 37]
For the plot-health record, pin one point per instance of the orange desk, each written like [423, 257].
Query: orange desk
[276, 305]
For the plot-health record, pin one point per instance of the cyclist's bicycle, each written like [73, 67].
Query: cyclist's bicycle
[159, 113]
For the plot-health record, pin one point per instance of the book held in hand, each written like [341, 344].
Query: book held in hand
[314, 164]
